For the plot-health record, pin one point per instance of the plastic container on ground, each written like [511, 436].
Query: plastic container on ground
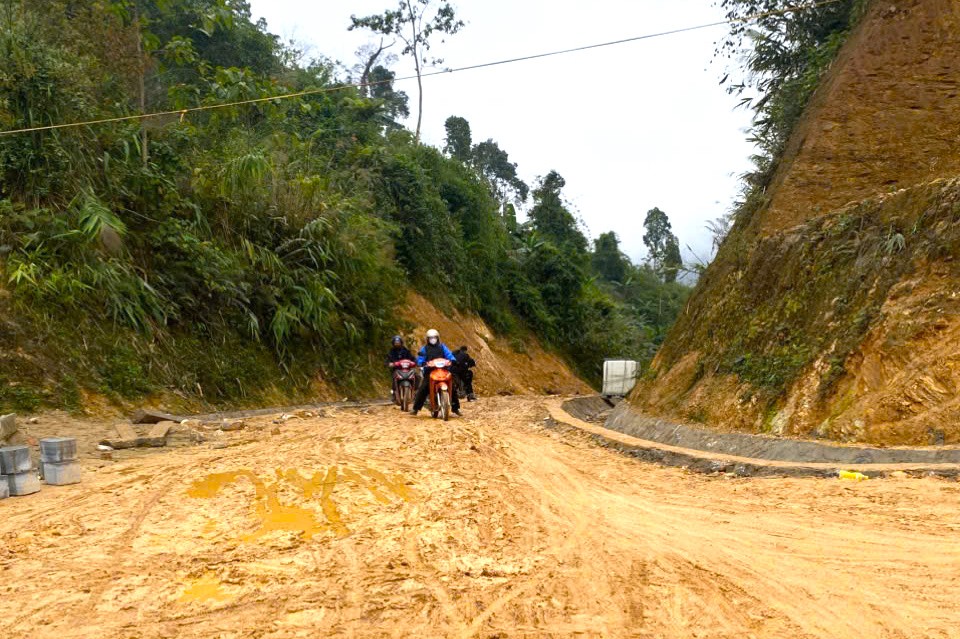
[619, 377]
[4, 487]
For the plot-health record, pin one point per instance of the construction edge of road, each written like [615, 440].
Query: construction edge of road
[817, 459]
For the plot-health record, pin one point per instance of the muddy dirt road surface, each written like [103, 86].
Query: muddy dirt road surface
[376, 524]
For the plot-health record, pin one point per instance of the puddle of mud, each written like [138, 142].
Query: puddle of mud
[211, 485]
[273, 515]
[207, 589]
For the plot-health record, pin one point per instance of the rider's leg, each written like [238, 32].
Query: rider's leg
[422, 392]
[468, 381]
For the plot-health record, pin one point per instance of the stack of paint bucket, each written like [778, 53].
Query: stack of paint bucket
[58, 461]
[21, 476]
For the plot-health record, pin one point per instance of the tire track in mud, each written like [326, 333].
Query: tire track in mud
[123, 546]
[424, 572]
[715, 587]
[548, 491]
[516, 530]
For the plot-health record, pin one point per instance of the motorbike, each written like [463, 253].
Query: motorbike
[404, 383]
[441, 385]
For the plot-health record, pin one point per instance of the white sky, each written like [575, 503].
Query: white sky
[629, 127]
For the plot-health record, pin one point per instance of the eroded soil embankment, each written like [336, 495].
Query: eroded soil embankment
[831, 308]
[882, 120]
[373, 524]
[845, 328]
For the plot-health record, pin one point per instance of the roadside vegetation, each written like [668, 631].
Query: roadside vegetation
[228, 253]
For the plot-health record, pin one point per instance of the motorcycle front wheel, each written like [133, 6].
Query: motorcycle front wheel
[406, 397]
[445, 404]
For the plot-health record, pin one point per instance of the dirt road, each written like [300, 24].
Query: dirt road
[375, 524]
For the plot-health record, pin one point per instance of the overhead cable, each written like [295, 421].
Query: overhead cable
[299, 94]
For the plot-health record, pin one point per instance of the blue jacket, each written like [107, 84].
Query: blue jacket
[440, 350]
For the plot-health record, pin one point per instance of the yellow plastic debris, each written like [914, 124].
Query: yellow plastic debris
[851, 475]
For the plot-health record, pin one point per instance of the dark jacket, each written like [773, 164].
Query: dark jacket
[464, 362]
[399, 352]
[431, 352]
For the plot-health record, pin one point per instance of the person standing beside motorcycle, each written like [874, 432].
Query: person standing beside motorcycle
[433, 349]
[461, 368]
[398, 352]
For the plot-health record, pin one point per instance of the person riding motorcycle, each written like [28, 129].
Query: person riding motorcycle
[461, 368]
[433, 349]
[398, 351]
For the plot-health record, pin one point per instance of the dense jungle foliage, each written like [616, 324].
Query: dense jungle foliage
[217, 252]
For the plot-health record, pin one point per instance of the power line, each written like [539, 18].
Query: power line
[339, 87]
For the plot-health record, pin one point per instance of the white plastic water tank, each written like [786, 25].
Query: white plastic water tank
[619, 377]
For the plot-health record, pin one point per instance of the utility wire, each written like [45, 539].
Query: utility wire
[339, 87]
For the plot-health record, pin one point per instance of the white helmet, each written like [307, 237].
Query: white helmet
[433, 333]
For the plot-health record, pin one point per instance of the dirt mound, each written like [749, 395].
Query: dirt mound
[518, 365]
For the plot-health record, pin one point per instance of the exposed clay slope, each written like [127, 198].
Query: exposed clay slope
[832, 329]
[509, 366]
[832, 311]
[887, 116]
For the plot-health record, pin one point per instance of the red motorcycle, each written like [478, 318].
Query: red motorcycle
[441, 385]
[404, 383]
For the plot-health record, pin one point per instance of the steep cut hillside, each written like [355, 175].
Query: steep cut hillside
[888, 116]
[833, 311]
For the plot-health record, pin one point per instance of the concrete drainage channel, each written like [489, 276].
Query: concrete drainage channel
[654, 440]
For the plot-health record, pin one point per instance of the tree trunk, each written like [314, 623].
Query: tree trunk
[419, 105]
[144, 141]
[364, 89]
[416, 64]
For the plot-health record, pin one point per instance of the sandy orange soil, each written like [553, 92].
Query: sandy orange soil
[369, 523]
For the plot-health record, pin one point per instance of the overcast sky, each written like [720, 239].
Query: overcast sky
[629, 127]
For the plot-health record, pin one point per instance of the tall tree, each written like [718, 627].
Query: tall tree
[394, 102]
[550, 218]
[414, 21]
[607, 259]
[495, 165]
[459, 142]
[672, 260]
[369, 56]
[662, 245]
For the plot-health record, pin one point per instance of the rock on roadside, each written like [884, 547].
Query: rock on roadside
[8, 426]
